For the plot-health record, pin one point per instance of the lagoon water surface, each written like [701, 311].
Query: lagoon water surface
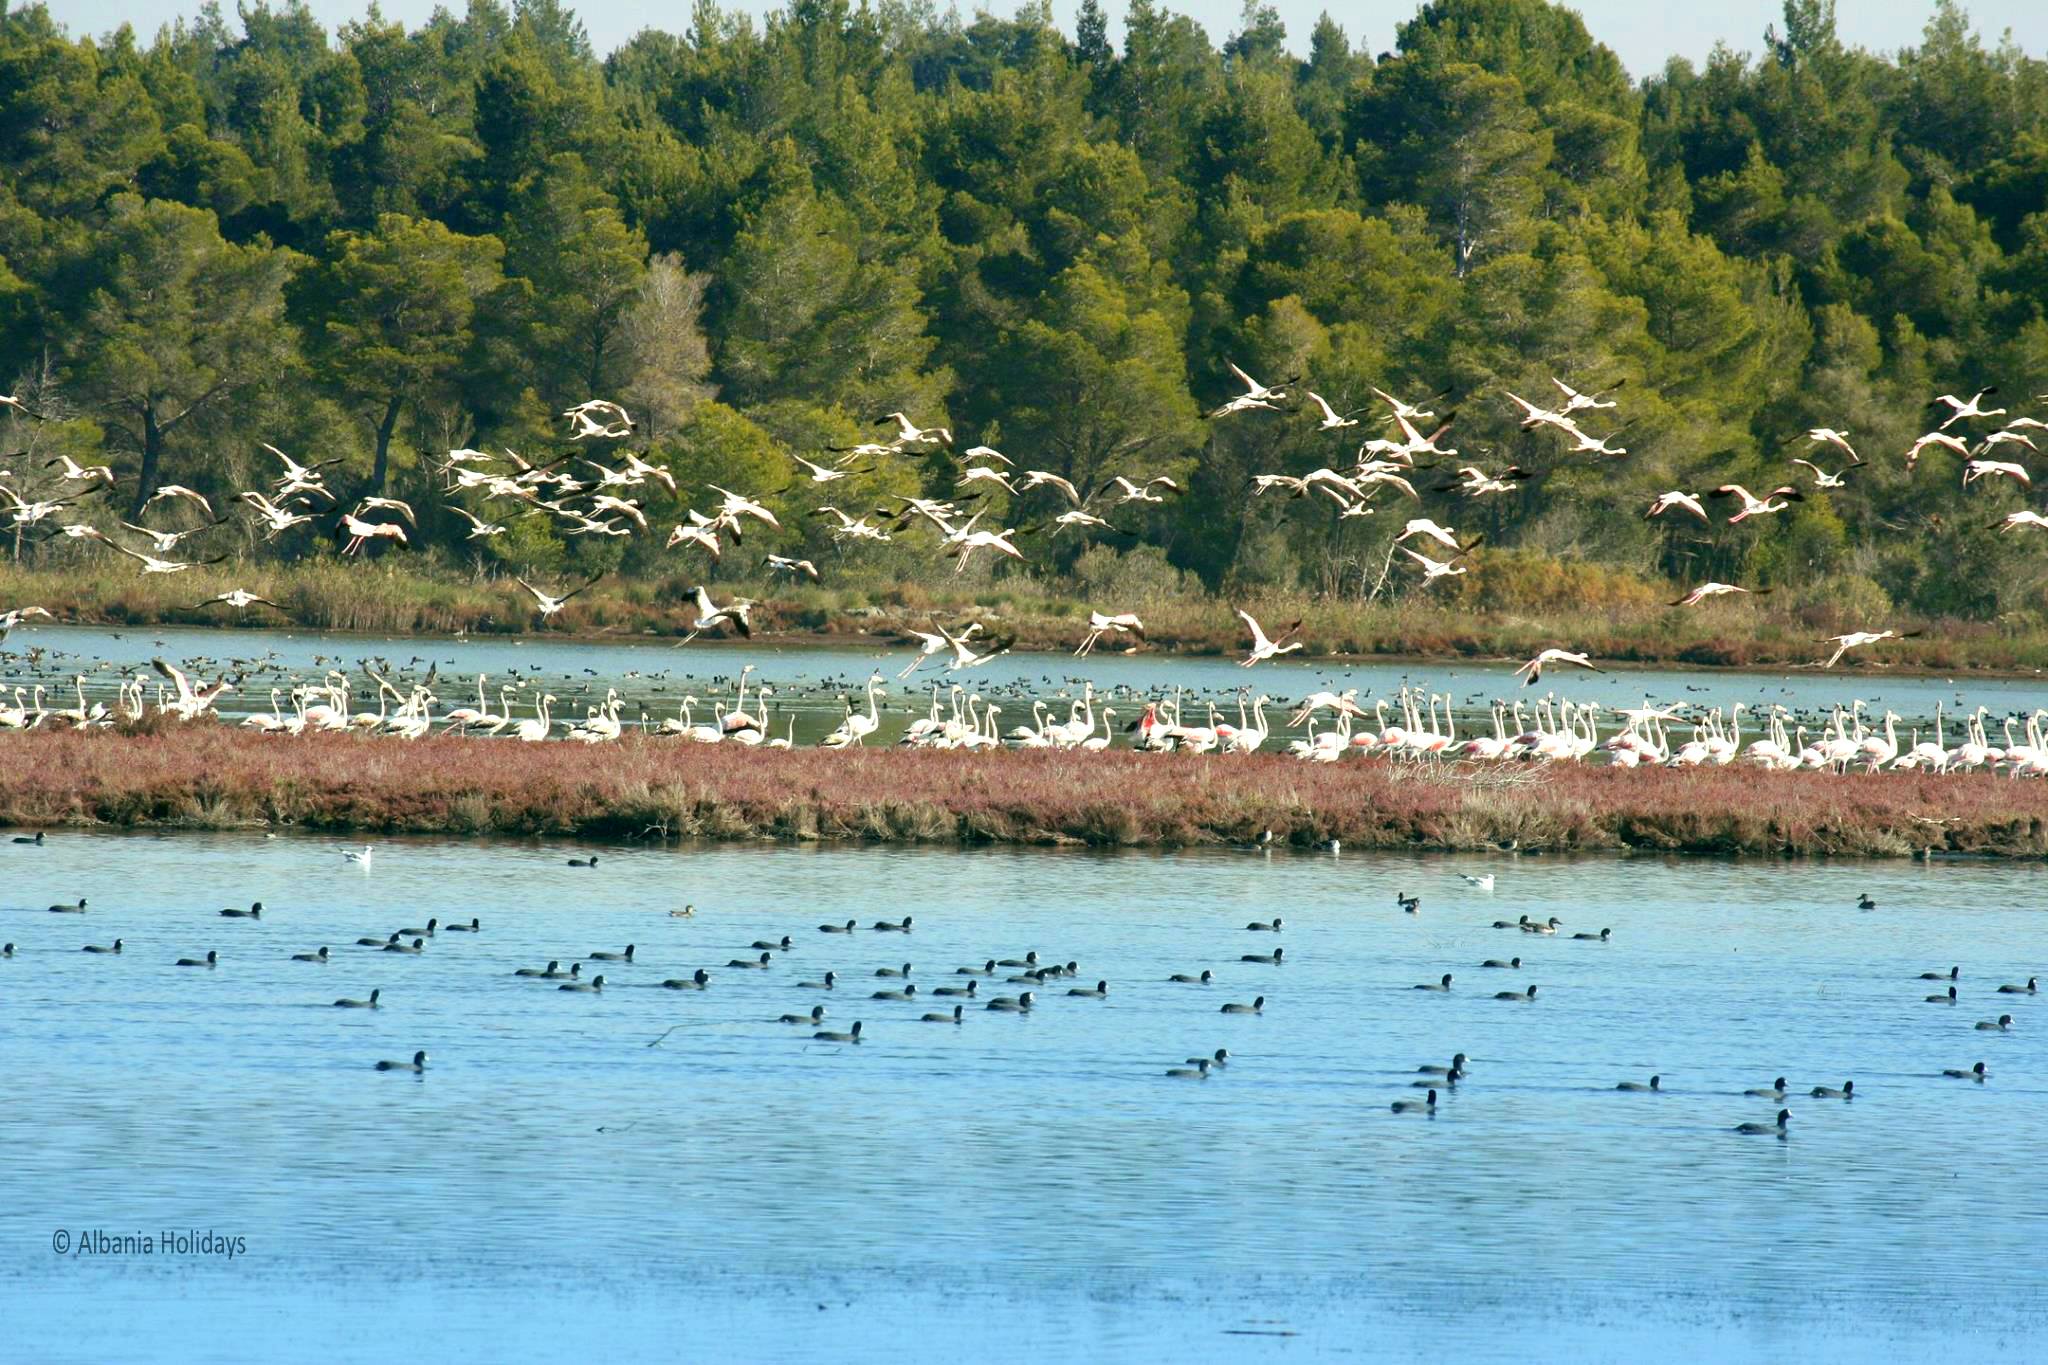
[807, 679]
[654, 1174]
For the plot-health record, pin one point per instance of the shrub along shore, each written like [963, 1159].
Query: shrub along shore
[401, 600]
[208, 776]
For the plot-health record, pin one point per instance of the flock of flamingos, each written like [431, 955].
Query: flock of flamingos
[1330, 725]
[1324, 727]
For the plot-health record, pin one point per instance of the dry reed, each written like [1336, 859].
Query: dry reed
[213, 777]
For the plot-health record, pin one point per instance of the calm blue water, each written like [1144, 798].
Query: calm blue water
[650, 1173]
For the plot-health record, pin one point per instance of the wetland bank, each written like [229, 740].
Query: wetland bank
[215, 773]
[207, 776]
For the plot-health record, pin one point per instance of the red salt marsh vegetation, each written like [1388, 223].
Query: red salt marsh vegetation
[207, 776]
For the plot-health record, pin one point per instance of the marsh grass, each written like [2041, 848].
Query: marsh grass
[209, 776]
[1621, 621]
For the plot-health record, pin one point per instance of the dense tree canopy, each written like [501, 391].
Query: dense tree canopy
[380, 242]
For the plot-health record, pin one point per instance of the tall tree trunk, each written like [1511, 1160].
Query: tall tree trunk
[152, 458]
[385, 429]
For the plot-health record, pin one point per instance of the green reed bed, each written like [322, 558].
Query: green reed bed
[1487, 623]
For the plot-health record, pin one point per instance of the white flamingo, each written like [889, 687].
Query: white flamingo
[1262, 647]
[535, 728]
[856, 728]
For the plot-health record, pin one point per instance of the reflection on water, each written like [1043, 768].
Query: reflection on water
[649, 1147]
